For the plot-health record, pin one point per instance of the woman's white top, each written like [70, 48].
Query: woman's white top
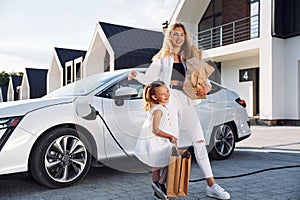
[160, 69]
[151, 149]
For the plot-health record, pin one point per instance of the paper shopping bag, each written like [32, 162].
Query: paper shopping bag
[197, 73]
[185, 174]
[179, 174]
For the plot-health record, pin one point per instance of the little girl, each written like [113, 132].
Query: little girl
[155, 142]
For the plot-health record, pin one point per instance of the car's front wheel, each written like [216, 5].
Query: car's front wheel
[60, 158]
[223, 142]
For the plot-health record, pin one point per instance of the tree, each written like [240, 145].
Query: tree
[4, 78]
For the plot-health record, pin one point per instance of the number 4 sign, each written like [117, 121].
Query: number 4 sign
[246, 74]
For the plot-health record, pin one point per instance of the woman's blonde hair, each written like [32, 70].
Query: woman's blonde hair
[149, 91]
[167, 48]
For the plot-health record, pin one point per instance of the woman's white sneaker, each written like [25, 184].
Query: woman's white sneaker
[217, 191]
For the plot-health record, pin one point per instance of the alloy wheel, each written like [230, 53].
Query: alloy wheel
[65, 158]
[224, 140]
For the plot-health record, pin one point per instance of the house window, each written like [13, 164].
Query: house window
[68, 72]
[106, 62]
[285, 18]
[78, 68]
[212, 16]
[77, 71]
[225, 11]
[254, 21]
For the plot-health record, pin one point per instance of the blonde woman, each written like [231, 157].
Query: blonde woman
[169, 66]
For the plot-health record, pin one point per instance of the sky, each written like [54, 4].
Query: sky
[30, 29]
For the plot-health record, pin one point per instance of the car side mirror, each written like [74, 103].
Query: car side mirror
[124, 93]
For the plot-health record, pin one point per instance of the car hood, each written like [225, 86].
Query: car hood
[21, 107]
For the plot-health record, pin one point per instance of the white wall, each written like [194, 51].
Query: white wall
[230, 78]
[279, 74]
[278, 79]
[291, 67]
[265, 62]
[24, 91]
[54, 76]
[1, 95]
[94, 62]
[10, 91]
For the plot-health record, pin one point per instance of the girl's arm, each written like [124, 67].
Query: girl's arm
[157, 114]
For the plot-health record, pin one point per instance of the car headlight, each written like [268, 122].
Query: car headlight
[7, 126]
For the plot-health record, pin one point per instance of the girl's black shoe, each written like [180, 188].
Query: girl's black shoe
[159, 190]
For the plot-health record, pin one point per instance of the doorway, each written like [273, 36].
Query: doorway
[255, 91]
[252, 74]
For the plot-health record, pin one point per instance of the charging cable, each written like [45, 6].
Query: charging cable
[247, 174]
[111, 134]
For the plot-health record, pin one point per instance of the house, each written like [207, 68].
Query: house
[3, 93]
[13, 87]
[66, 66]
[34, 83]
[116, 47]
[255, 45]
[112, 47]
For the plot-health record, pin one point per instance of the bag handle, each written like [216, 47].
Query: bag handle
[175, 151]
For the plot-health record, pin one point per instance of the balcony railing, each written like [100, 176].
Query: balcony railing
[233, 32]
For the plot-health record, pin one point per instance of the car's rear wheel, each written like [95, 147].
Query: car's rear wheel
[60, 158]
[223, 141]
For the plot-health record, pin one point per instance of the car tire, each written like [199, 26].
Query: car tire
[60, 158]
[222, 142]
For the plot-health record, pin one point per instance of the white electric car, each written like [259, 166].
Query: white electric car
[58, 137]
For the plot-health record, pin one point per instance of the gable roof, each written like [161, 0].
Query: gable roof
[133, 46]
[121, 37]
[113, 29]
[37, 80]
[65, 55]
[16, 81]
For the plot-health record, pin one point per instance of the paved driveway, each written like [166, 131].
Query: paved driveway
[268, 147]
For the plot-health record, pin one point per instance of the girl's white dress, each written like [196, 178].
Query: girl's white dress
[151, 149]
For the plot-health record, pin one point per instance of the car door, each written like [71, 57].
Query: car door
[213, 109]
[123, 115]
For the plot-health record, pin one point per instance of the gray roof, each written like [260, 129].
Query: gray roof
[37, 79]
[4, 93]
[16, 81]
[65, 55]
[132, 46]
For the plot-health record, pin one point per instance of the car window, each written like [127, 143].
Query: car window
[83, 86]
[109, 92]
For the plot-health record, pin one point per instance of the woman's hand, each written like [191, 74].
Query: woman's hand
[205, 89]
[132, 74]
